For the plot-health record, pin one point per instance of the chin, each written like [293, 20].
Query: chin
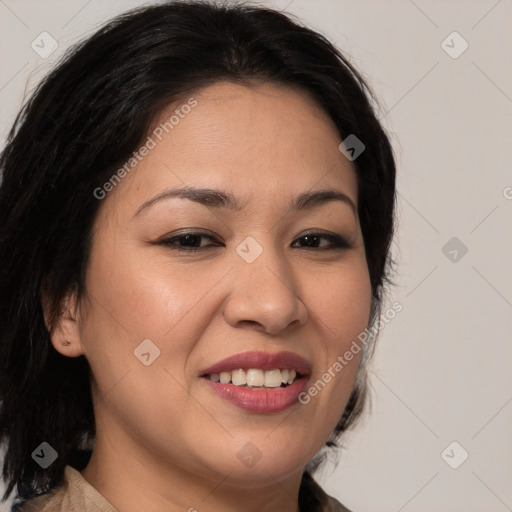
[255, 468]
[261, 475]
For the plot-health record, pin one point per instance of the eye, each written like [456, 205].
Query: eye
[313, 239]
[192, 242]
[188, 242]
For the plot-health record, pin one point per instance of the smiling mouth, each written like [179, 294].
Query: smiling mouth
[255, 378]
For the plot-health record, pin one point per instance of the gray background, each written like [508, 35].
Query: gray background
[442, 368]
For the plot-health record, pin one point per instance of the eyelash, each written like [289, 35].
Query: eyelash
[337, 241]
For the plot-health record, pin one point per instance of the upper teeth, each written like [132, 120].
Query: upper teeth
[255, 377]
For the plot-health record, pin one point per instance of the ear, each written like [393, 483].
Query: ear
[65, 331]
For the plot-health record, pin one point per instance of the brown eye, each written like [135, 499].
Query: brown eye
[312, 240]
[188, 242]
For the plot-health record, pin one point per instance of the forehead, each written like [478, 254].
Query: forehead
[261, 115]
[257, 141]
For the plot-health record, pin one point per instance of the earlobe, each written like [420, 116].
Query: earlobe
[66, 347]
[65, 329]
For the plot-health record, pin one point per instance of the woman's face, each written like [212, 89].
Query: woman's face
[155, 317]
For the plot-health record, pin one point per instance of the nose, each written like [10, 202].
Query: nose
[265, 296]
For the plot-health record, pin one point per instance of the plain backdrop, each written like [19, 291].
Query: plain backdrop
[441, 386]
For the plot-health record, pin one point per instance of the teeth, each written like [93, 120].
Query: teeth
[225, 377]
[255, 377]
[273, 378]
[238, 377]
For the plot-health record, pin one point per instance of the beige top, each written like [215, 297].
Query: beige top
[76, 494]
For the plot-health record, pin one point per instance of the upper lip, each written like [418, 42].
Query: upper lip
[261, 360]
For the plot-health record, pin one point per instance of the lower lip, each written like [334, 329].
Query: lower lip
[259, 400]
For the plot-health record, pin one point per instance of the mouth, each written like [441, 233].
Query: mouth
[259, 382]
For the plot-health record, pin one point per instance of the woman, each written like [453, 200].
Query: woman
[196, 212]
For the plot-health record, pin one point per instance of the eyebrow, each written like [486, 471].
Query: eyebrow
[214, 198]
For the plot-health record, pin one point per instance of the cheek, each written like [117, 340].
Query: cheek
[131, 302]
[132, 299]
[134, 296]
[340, 305]
[124, 308]
[341, 300]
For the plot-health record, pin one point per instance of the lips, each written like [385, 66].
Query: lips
[258, 400]
[261, 360]
[261, 401]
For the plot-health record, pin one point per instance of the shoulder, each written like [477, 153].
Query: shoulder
[333, 505]
[47, 502]
[75, 494]
[312, 498]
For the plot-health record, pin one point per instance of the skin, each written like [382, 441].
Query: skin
[164, 440]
